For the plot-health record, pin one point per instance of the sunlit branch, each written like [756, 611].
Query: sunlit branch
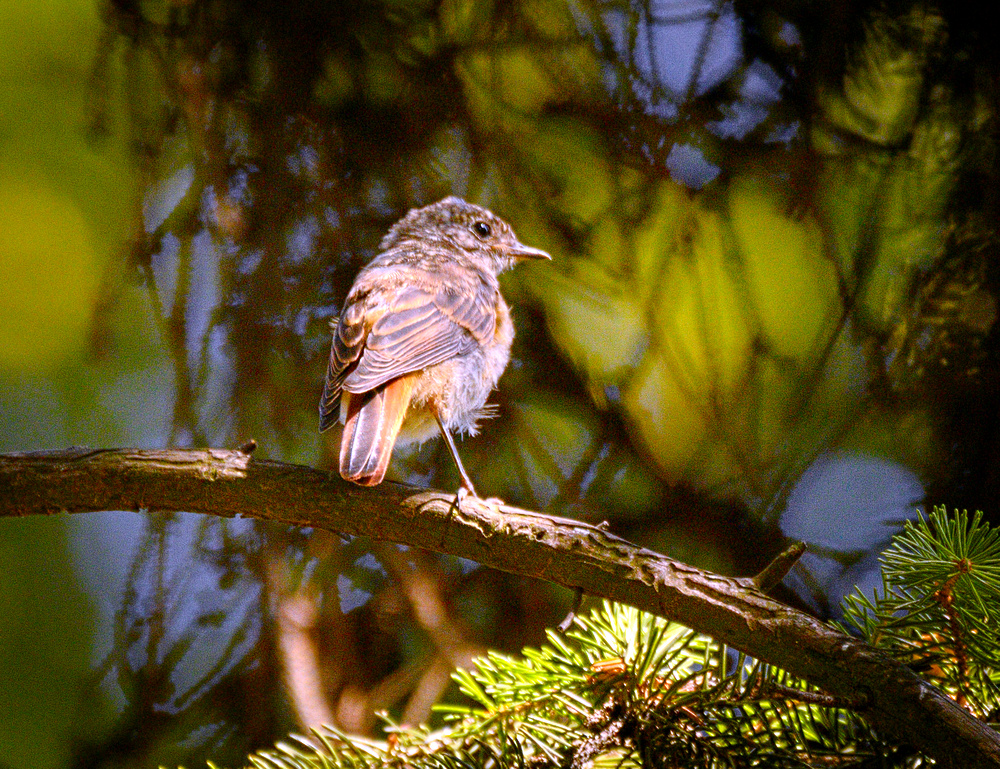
[560, 550]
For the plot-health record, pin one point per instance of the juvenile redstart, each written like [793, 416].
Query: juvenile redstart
[423, 336]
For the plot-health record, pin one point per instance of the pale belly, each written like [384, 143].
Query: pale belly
[458, 389]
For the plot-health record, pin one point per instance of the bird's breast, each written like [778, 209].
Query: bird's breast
[457, 389]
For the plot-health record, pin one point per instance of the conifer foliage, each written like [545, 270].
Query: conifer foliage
[626, 689]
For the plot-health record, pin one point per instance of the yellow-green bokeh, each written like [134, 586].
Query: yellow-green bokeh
[50, 271]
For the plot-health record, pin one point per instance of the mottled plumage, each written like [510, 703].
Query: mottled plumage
[423, 337]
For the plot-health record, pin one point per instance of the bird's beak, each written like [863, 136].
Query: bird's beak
[521, 251]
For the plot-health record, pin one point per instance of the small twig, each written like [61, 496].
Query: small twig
[773, 691]
[778, 569]
[945, 596]
[577, 602]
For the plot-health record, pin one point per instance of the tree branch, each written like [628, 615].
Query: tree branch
[568, 552]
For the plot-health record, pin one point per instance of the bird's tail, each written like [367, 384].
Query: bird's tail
[370, 430]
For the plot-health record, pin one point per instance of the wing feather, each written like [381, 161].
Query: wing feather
[378, 341]
[422, 328]
[348, 344]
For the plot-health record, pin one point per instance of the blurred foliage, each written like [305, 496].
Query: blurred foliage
[822, 280]
[41, 715]
[774, 238]
[61, 204]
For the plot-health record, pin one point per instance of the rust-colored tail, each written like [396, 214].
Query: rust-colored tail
[370, 430]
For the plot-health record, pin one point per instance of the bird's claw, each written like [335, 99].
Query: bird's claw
[493, 503]
[464, 493]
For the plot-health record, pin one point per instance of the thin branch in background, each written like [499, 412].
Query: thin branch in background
[296, 613]
[433, 682]
[421, 587]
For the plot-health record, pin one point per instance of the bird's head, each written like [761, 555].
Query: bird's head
[474, 230]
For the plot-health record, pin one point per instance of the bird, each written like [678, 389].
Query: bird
[422, 337]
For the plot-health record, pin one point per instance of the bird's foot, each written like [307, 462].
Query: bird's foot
[456, 504]
[462, 497]
[464, 493]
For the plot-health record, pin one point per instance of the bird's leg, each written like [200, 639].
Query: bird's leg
[466, 481]
[466, 488]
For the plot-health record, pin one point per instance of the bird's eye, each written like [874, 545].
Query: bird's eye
[482, 229]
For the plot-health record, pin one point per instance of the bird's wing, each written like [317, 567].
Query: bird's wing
[348, 342]
[418, 328]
